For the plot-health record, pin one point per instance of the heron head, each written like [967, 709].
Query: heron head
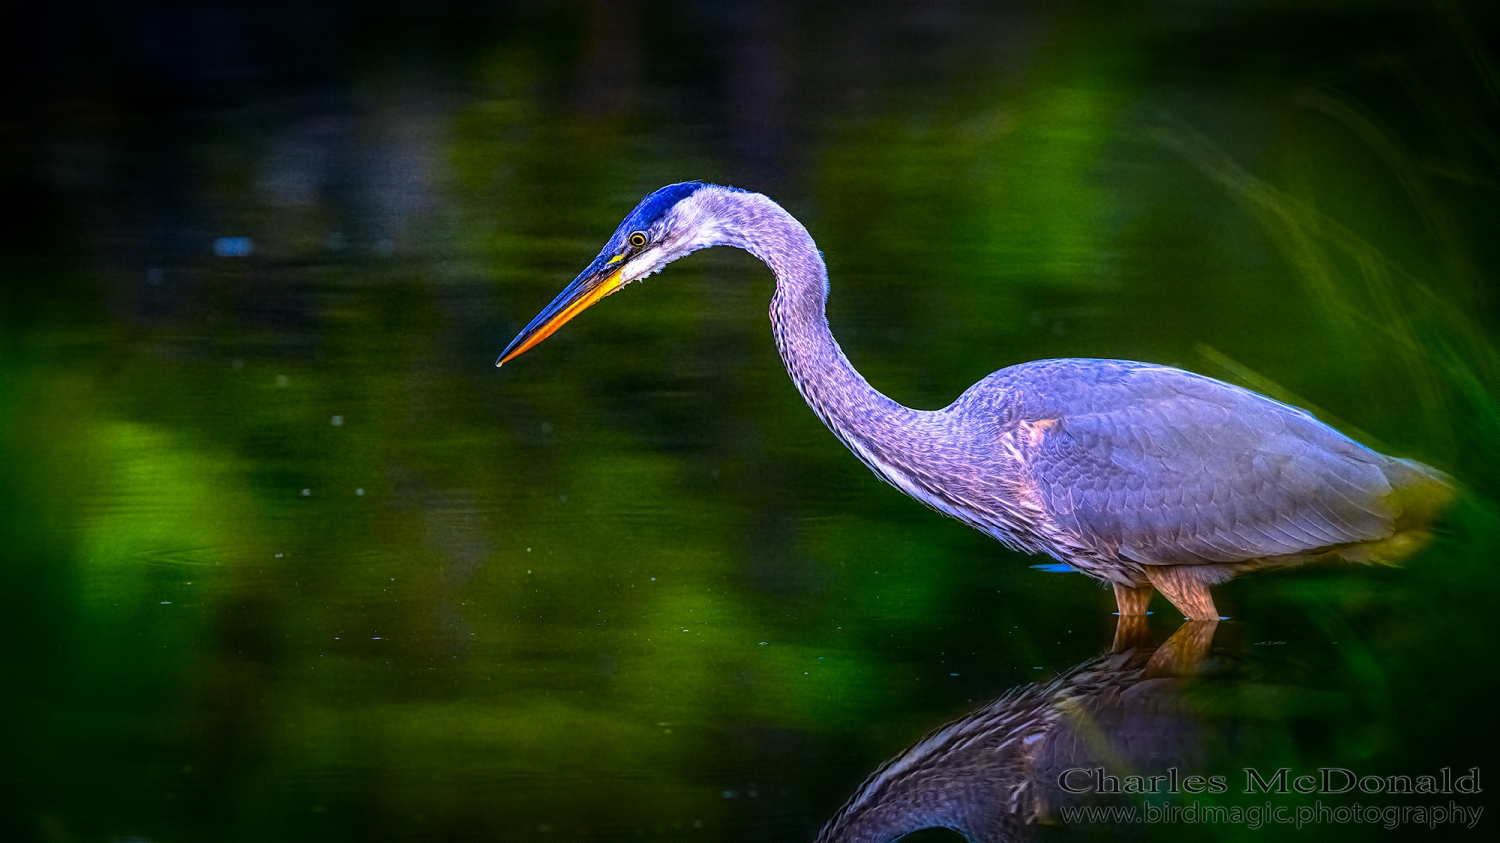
[665, 226]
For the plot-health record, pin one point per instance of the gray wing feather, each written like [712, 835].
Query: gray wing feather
[1166, 467]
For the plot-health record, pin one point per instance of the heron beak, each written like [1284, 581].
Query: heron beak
[599, 280]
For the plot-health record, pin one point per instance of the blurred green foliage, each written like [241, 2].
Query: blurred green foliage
[286, 558]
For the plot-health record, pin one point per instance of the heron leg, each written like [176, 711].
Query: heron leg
[1133, 601]
[1183, 653]
[1131, 633]
[1181, 585]
[1131, 630]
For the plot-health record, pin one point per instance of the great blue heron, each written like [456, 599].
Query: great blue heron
[1138, 475]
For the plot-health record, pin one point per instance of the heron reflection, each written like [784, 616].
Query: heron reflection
[1143, 476]
[1108, 725]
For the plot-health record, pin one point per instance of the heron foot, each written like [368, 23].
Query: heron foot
[1181, 585]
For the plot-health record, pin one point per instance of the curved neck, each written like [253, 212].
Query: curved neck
[867, 421]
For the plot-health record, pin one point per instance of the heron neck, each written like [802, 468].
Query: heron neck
[866, 420]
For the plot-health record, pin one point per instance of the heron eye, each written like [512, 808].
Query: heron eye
[638, 239]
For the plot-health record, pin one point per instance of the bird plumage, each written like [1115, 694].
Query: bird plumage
[1135, 464]
[1136, 474]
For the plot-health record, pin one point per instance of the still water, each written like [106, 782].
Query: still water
[287, 558]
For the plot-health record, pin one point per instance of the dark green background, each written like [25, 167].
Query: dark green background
[628, 587]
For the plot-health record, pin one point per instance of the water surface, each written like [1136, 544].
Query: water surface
[287, 558]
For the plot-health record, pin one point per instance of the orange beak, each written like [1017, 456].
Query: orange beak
[599, 280]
